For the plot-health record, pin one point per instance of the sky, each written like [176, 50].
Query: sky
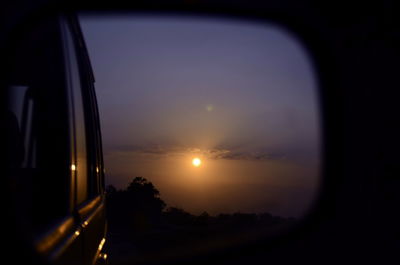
[239, 95]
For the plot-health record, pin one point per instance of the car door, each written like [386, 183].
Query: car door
[40, 133]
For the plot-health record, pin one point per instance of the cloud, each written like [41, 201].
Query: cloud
[214, 153]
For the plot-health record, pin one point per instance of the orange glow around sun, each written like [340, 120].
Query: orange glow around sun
[196, 162]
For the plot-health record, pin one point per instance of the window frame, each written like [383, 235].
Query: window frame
[95, 168]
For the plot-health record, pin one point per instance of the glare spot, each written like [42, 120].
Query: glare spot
[77, 233]
[209, 108]
[73, 167]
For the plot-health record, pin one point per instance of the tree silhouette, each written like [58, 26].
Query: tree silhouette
[139, 206]
[138, 221]
[178, 216]
[202, 219]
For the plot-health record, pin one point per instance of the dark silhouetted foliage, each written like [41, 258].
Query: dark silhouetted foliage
[140, 222]
[177, 216]
[138, 207]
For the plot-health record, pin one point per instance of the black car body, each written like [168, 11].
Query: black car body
[55, 166]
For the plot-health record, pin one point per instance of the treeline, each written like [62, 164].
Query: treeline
[140, 208]
[177, 216]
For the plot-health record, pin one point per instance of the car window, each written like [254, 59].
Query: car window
[38, 135]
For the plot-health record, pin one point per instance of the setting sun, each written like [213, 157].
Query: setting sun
[196, 162]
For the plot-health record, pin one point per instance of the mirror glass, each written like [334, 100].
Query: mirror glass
[210, 130]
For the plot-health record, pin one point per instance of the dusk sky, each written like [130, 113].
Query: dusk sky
[240, 96]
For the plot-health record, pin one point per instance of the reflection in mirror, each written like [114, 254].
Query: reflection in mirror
[210, 131]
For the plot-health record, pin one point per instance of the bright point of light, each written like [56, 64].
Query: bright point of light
[196, 162]
[73, 167]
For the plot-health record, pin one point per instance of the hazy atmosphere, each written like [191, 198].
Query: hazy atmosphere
[238, 96]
